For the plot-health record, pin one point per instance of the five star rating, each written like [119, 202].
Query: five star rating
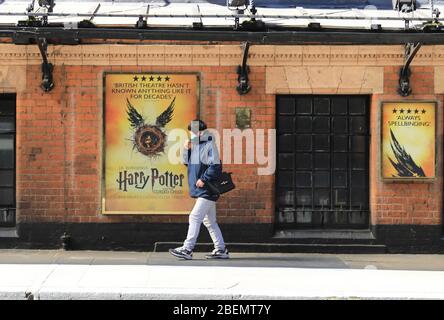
[408, 111]
[151, 79]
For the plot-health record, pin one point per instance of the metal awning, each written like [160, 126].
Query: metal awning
[286, 21]
[72, 36]
[347, 14]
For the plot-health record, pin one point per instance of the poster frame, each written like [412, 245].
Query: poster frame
[103, 144]
[381, 144]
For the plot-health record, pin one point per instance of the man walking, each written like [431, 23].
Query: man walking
[202, 159]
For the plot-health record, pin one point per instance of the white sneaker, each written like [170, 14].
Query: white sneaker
[218, 254]
[182, 253]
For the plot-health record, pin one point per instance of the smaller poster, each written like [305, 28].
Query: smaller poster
[408, 140]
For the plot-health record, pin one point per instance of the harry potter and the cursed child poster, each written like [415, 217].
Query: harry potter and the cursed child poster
[140, 112]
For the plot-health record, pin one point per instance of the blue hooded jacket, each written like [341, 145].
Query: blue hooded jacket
[203, 163]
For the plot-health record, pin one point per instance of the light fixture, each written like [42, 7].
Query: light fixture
[404, 5]
[433, 24]
[237, 4]
[48, 4]
[314, 26]
[376, 27]
[141, 23]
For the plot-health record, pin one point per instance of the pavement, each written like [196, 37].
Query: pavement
[72, 275]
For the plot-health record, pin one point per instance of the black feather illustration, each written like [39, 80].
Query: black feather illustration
[134, 117]
[166, 116]
[405, 165]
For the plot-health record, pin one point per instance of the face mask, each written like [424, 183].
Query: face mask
[194, 136]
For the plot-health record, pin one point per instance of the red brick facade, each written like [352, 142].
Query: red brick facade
[60, 133]
[59, 145]
[59, 148]
[406, 203]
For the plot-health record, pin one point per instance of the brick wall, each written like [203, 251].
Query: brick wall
[59, 139]
[402, 202]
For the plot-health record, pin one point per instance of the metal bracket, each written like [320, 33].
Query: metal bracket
[404, 88]
[47, 67]
[243, 87]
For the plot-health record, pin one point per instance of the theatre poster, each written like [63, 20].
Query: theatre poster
[141, 113]
[408, 140]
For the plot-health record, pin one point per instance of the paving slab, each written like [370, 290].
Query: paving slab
[85, 275]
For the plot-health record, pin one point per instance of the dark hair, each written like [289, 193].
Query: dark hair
[202, 125]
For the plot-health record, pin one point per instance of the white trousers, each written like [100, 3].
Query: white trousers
[204, 211]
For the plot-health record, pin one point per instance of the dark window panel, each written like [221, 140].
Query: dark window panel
[6, 152]
[7, 105]
[7, 159]
[339, 105]
[286, 215]
[358, 217]
[285, 179]
[322, 197]
[321, 105]
[322, 169]
[286, 124]
[359, 198]
[286, 197]
[6, 197]
[304, 124]
[303, 142]
[358, 125]
[358, 143]
[303, 217]
[321, 161]
[321, 142]
[303, 179]
[340, 125]
[340, 198]
[286, 143]
[321, 124]
[317, 218]
[328, 219]
[286, 106]
[304, 161]
[358, 179]
[6, 178]
[357, 106]
[321, 179]
[358, 161]
[303, 106]
[303, 198]
[7, 124]
[339, 161]
[339, 179]
[340, 143]
[7, 217]
[338, 218]
[286, 161]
